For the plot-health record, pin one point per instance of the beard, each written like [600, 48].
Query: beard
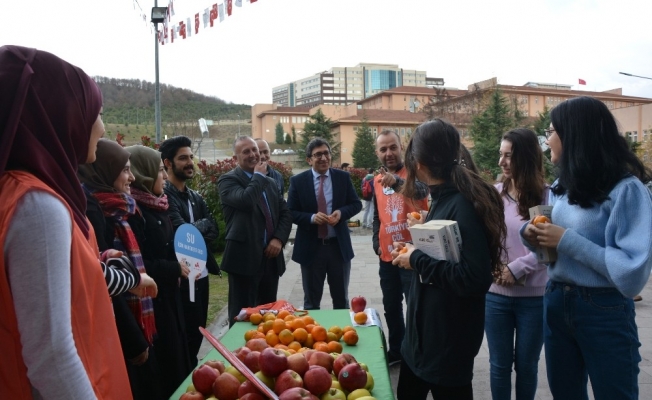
[181, 174]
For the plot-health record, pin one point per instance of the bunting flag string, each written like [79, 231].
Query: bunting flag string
[187, 27]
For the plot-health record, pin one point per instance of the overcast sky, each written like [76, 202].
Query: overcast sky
[272, 42]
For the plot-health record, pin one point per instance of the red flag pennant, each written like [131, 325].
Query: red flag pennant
[182, 29]
[229, 7]
[253, 1]
[196, 23]
[213, 13]
[582, 82]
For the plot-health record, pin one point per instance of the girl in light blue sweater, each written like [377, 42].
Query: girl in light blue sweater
[602, 230]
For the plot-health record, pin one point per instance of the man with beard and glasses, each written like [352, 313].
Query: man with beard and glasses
[187, 206]
[263, 150]
[258, 225]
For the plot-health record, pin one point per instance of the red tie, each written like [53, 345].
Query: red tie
[321, 207]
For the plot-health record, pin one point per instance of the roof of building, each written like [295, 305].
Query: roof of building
[285, 110]
[389, 116]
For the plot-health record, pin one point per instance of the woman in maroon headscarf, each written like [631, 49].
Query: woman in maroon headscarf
[58, 338]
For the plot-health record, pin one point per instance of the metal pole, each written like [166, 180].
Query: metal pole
[637, 76]
[157, 88]
[238, 125]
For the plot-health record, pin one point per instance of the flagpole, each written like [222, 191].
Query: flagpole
[157, 88]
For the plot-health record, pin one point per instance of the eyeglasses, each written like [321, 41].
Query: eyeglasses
[325, 154]
[549, 132]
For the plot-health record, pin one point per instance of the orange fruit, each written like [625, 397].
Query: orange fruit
[319, 334]
[309, 341]
[540, 219]
[282, 314]
[300, 335]
[346, 329]
[360, 318]
[337, 331]
[350, 338]
[309, 327]
[334, 347]
[278, 325]
[298, 323]
[416, 215]
[320, 346]
[296, 346]
[271, 338]
[331, 337]
[255, 318]
[259, 335]
[250, 334]
[308, 319]
[286, 337]
[403, 250]
[260, 328]
[268, 325]
[269, 316]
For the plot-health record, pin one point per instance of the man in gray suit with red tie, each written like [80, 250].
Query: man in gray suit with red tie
[321, 200]
[258, 225]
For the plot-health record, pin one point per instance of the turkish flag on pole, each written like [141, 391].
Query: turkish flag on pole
[229, 7]
[213, 13]
[582, 82]
[196, 23]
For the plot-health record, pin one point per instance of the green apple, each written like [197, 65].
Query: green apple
[333, 394]
[231, 370]
[364, 366]
[336, 385]
[191, 388]
[269, 382]
[370, 382]
[357, 394]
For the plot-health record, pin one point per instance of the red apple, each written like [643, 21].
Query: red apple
[247, 387]
[241, 352]
[272, 362]
[257, 344]
[218, 365]
[253, 396]
[203, 378]
[298, 363]
[342, 360]
[193, 395]
[296, 393]
[286, 380]
[358, 304]
[333, 394]
[308, 353]
[251, 361]
[318, 380]
[226, 387]
[352, 377]
[323, 359]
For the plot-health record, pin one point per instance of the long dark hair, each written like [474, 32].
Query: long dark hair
[526, 166]
[594, 156]
[436, 146]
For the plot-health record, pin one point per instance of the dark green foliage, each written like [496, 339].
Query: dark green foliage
[294, 135]
[288, 139]
[364, 155]
[279, 133]
[319, 126]
[487, 129]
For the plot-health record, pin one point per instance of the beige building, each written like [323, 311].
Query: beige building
[635, 122]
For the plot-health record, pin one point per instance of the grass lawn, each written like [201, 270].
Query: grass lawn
[218, 292]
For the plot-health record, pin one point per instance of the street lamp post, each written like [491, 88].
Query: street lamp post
[238, 124]
[636, 76]
[158, 16]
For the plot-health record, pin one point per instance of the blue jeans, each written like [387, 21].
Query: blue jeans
[394, 282]
[590, 332]
[505, 316]
[368, 217]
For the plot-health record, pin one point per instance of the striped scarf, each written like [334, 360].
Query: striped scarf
[120, 206]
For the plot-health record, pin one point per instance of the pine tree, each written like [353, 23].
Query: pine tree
[294, 135]
[364, 155]
[487, 128]
[319, 126]
[279, 133]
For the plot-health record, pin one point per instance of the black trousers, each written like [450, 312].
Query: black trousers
[328, 263]
[411, 387]
[195, 315]
[250, 291]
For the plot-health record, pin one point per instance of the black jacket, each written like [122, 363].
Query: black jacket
[204, 221]
[445, 312]
[274, 174]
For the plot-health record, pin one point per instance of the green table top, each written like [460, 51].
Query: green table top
[369, 350]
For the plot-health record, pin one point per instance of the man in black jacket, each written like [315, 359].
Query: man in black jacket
[263, 150]
[187, 206]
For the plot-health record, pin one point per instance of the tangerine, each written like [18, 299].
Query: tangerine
[334, 347]
[298, 323]
[309, 327]
[331, 337]
[540, 219]
[403, 250]
[259, 335]
[336, 330]
[250, 334]
[256, 318]
[350, 338]
[296, 346]
[308, 319]
[271, 338]
[346, 329]
[360, 318]
[269, 317]
[286, 337]
[416, 215]
[300, 335]
[268, 325]
[278, 325]
[320, 346]
[319, 333]
[309, 341]
[282, 314]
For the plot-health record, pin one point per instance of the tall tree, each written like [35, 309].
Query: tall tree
[364, 155]
[318, 125]
[541, 124]
[487, 128]
[279, 133]
[294, 135]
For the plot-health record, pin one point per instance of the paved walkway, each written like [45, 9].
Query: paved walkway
[365, 282]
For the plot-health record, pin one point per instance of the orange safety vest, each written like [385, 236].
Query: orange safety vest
[392, 213]
[93, 323]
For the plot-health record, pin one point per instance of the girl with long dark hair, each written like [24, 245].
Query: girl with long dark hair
[445, 312]
[602, 230]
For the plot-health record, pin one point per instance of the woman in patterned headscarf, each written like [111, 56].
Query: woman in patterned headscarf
[57, 333]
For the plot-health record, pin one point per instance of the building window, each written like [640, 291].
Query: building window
[646, 135]
[633, 136]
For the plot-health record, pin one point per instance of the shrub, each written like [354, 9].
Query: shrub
[357, 174]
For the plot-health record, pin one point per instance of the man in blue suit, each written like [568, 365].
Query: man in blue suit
[321, 200]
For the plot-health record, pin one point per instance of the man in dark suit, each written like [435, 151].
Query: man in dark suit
[321, 200]
[265, 155]
[258, 225]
